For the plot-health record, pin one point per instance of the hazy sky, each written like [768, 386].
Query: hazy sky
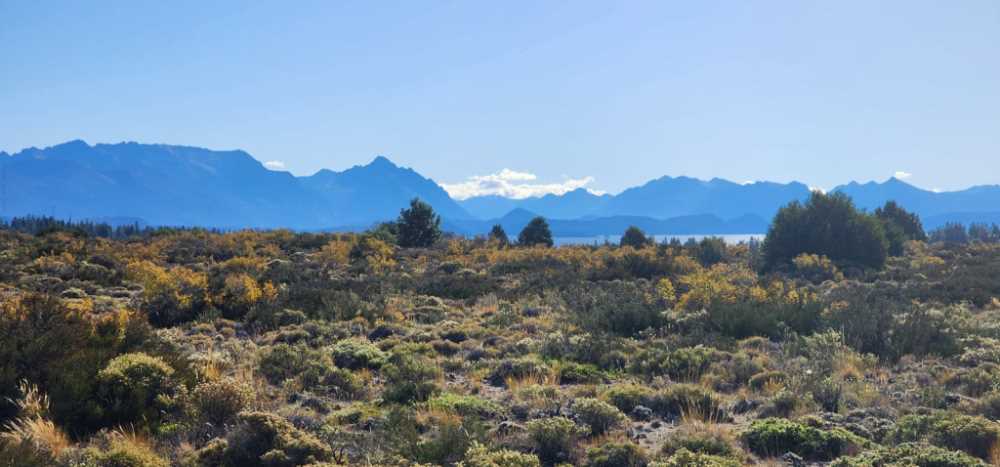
[816, 91]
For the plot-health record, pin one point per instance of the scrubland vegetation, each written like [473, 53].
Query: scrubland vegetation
[857, 341]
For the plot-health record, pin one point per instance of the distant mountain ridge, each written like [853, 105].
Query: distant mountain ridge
[181, 185]
[571, 205]
[982, 198]
[663, 198]
[379, 188]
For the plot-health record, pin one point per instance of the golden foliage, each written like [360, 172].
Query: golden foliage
[729, 284]
[336, 251]
[179, 283]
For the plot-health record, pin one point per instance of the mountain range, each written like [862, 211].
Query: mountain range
[180, 185]
[190, 186]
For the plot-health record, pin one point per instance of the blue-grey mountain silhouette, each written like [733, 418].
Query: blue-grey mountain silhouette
[159, 184]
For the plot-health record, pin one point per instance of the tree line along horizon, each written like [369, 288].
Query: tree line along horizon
[826, 225]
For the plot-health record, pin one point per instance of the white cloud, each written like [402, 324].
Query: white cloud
[275, 165]
[510, 175]
[818, 189]
[936, 190]
[512, 184]
[902, 175]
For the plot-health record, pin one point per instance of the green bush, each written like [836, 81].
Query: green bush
[776, 436]
[466, 405]
[617, 307]
[701, 439]
[685, 458]
[734, 371]
[688, 399]
[342, 383]
[553, 438]
[134, 388]
[578, 373]
[989, 405]
[123, 451]
[598, 415]
[283, 361]
[747, 318]
[313, 369]
[686, 364]
[627, 396]
[762, 379]
[445, 347]
[434, 440]
[480, 456]
[816, 268]
[516, 369]
[61, 349]
[976, 382]
[616, 454]
[783, 404]
[910, 454]
[410, 378]
[971, 434]
[355, 354]
[264, 439]
[826, 225]
[218, 402]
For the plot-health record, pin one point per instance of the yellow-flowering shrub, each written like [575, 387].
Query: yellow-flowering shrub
[737, 304]
[171, 296]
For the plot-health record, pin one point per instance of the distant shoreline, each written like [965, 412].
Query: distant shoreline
[731, 239]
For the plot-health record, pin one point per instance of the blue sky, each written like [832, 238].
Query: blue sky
[598, 94]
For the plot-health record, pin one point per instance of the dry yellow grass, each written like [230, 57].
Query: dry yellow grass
[550, 379]
[691, 414]
[32, 436]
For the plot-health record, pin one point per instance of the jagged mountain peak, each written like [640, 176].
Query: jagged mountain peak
[382, 162]
[517, 215]
[377, 191]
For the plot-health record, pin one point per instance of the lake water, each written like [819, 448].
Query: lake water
[614, 239]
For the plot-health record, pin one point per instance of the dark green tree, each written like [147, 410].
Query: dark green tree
[634, 237]
[386, 231]
[418, 226]
[499, 235]
[900, 225]
[979, 232]
[908, 222]
[951, 233]
[537, 232]
[711, 250]
[827, 225]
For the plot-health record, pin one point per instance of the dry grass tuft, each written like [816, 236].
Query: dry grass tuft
[692, 413]
[32, 439]
[35, 434]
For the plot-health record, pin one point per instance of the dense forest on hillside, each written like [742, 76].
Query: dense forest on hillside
[845, 338]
